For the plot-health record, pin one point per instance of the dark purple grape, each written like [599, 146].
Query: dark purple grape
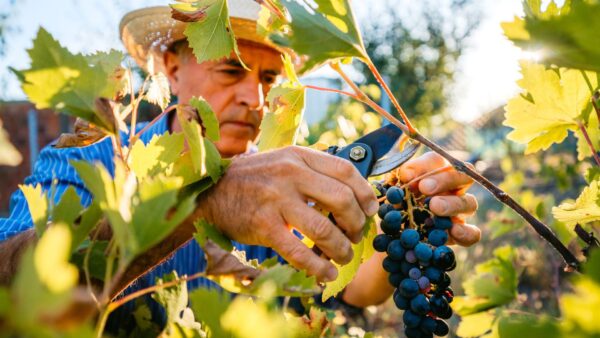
[438, 237]
[395, 195]
[411, 319]
[441, 328]
[381, 242]
[384, 209]
[428, 325]
[408, 288]
[414, 273]
[443, 257]
[401, 302]
[420, 304]
[423, 252]
[442, 223]
[434, 274]
[395, 278]
[395, 250]
[410, 238]
[410, 256]
[424, 283]
[390, 265]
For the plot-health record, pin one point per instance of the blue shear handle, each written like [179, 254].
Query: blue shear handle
[359, 154]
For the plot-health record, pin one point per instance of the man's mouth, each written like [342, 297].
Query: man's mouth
[238, 124]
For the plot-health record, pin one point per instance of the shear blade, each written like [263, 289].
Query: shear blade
[394, 158]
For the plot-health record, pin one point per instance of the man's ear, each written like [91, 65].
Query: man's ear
[172, 63]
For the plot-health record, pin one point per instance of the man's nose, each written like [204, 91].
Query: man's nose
[249, 92]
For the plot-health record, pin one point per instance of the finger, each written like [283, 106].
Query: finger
[343, 171]
[337, 198]
[301, 257]
[453, 205]
[443, 182]
[321, 231]
[465, 234]
[423, 164]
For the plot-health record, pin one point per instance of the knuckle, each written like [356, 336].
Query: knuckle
[296, 254]
[321, 228]
[343, 167]
[344, 196]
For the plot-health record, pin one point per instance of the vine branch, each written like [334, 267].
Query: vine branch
[589, 142]
[542, 229]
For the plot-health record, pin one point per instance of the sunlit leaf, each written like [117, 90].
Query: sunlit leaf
[206, 231]
[211, 37]
[584, 210]
[362, 252]
[8, 154]
[205, 157]
[475, 325]
[553, 104]
[208, 306]
[269, 22]
[324, 32]
[51, 259]
[37, 203]
[154, 157]
[286, 103]
[69, 83]
[494, 284]
[68, 208]
[159, 92]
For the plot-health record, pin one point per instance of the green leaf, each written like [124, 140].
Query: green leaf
[592, 174]
[206, 231]
[566, 37]
[211, 38]
[585, 209]
[362, 252]
[286, 102]
[5, 302]
[324, 32]
[96, 261]
[159, 92]
[155, 157]
[494, 284]
[476, 325]
[68, 208]
[208, 118]
[51, 259]
[593, 130]
[37, 203]
[268, 22]
[514, 325]
[69, 83]
[553, 104]
[208, 306]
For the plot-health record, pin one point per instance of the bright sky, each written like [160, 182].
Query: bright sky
[485, 80]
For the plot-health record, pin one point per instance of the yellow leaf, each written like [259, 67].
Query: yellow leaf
[584, 210]
[38, 206]
[51, 259]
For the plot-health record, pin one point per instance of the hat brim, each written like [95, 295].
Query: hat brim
[150, 31]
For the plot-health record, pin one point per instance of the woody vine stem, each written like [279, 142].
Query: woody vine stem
[541, 228]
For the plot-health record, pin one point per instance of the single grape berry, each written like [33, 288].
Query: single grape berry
[441, 328]
[439, 305]
[410, 256]
[434, 274]
[408, 288]
[414, 273]
[413, 332]
[384, 209]
[443, 257]
[401, 302]
[381, 242]
[405, 267]
[423, 283]
[390, 265]
[442, 223]
[394, 220]
[410, 238]
[420, 304]
[423, 252]
[438, 237]
[395, 250]
[428, 325]
[395, 195]
[411, 319]
[395, 278]
[388, 229]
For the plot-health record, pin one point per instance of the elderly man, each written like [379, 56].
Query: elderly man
[260, 195]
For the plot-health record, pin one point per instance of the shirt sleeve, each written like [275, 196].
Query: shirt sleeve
[55, 174]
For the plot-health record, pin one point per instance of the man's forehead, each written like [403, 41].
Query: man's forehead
[255, 54]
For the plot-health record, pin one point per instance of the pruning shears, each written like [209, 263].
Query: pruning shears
[378, 152]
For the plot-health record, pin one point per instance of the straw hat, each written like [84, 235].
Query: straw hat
[150, 31]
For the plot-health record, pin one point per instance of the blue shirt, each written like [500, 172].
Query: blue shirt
[53, 165]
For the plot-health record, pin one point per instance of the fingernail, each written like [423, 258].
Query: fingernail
[373, 208]
[429, 185]
[458, 232]
[331, 274]
[444, 206]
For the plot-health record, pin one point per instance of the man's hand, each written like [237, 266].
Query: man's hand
[448, 191]
[262, 196]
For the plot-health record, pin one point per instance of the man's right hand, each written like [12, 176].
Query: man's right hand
[262, 196]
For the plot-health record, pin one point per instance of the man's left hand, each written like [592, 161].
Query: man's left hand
[448, 189]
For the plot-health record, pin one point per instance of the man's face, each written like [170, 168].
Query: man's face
[236, 95]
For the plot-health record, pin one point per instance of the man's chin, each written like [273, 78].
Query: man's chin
[230, 148]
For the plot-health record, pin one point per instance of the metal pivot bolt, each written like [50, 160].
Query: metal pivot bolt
[357, 153]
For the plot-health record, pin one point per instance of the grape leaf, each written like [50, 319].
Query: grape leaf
[208, 306]
[269, 22]
[206, 231]
[593, 130]
[97, 259]
[475, 325]
[175, 299]
[158, 92]
[323, 32]
[567, 36]
[51, 259]
[584, 210]
[286, 103]
[67, 82]
[155, 157]
[37, 203]
[494, 284]
[553, 104]
[211, 37]
[362, 252]
[208, 118]
[592, 174]
[68, 208]
[8, 154]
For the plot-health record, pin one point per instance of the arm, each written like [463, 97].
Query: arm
[371, 286]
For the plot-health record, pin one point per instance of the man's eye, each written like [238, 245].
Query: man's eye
[268, 79]
[232, 72]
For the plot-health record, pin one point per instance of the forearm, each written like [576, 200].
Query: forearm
[370, 285]
[11, 251]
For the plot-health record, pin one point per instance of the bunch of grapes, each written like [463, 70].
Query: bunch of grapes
[417, 261]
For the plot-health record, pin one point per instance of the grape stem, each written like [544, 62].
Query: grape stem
[427, 174]
[589, 142]
[595, 99]
[542, 229]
